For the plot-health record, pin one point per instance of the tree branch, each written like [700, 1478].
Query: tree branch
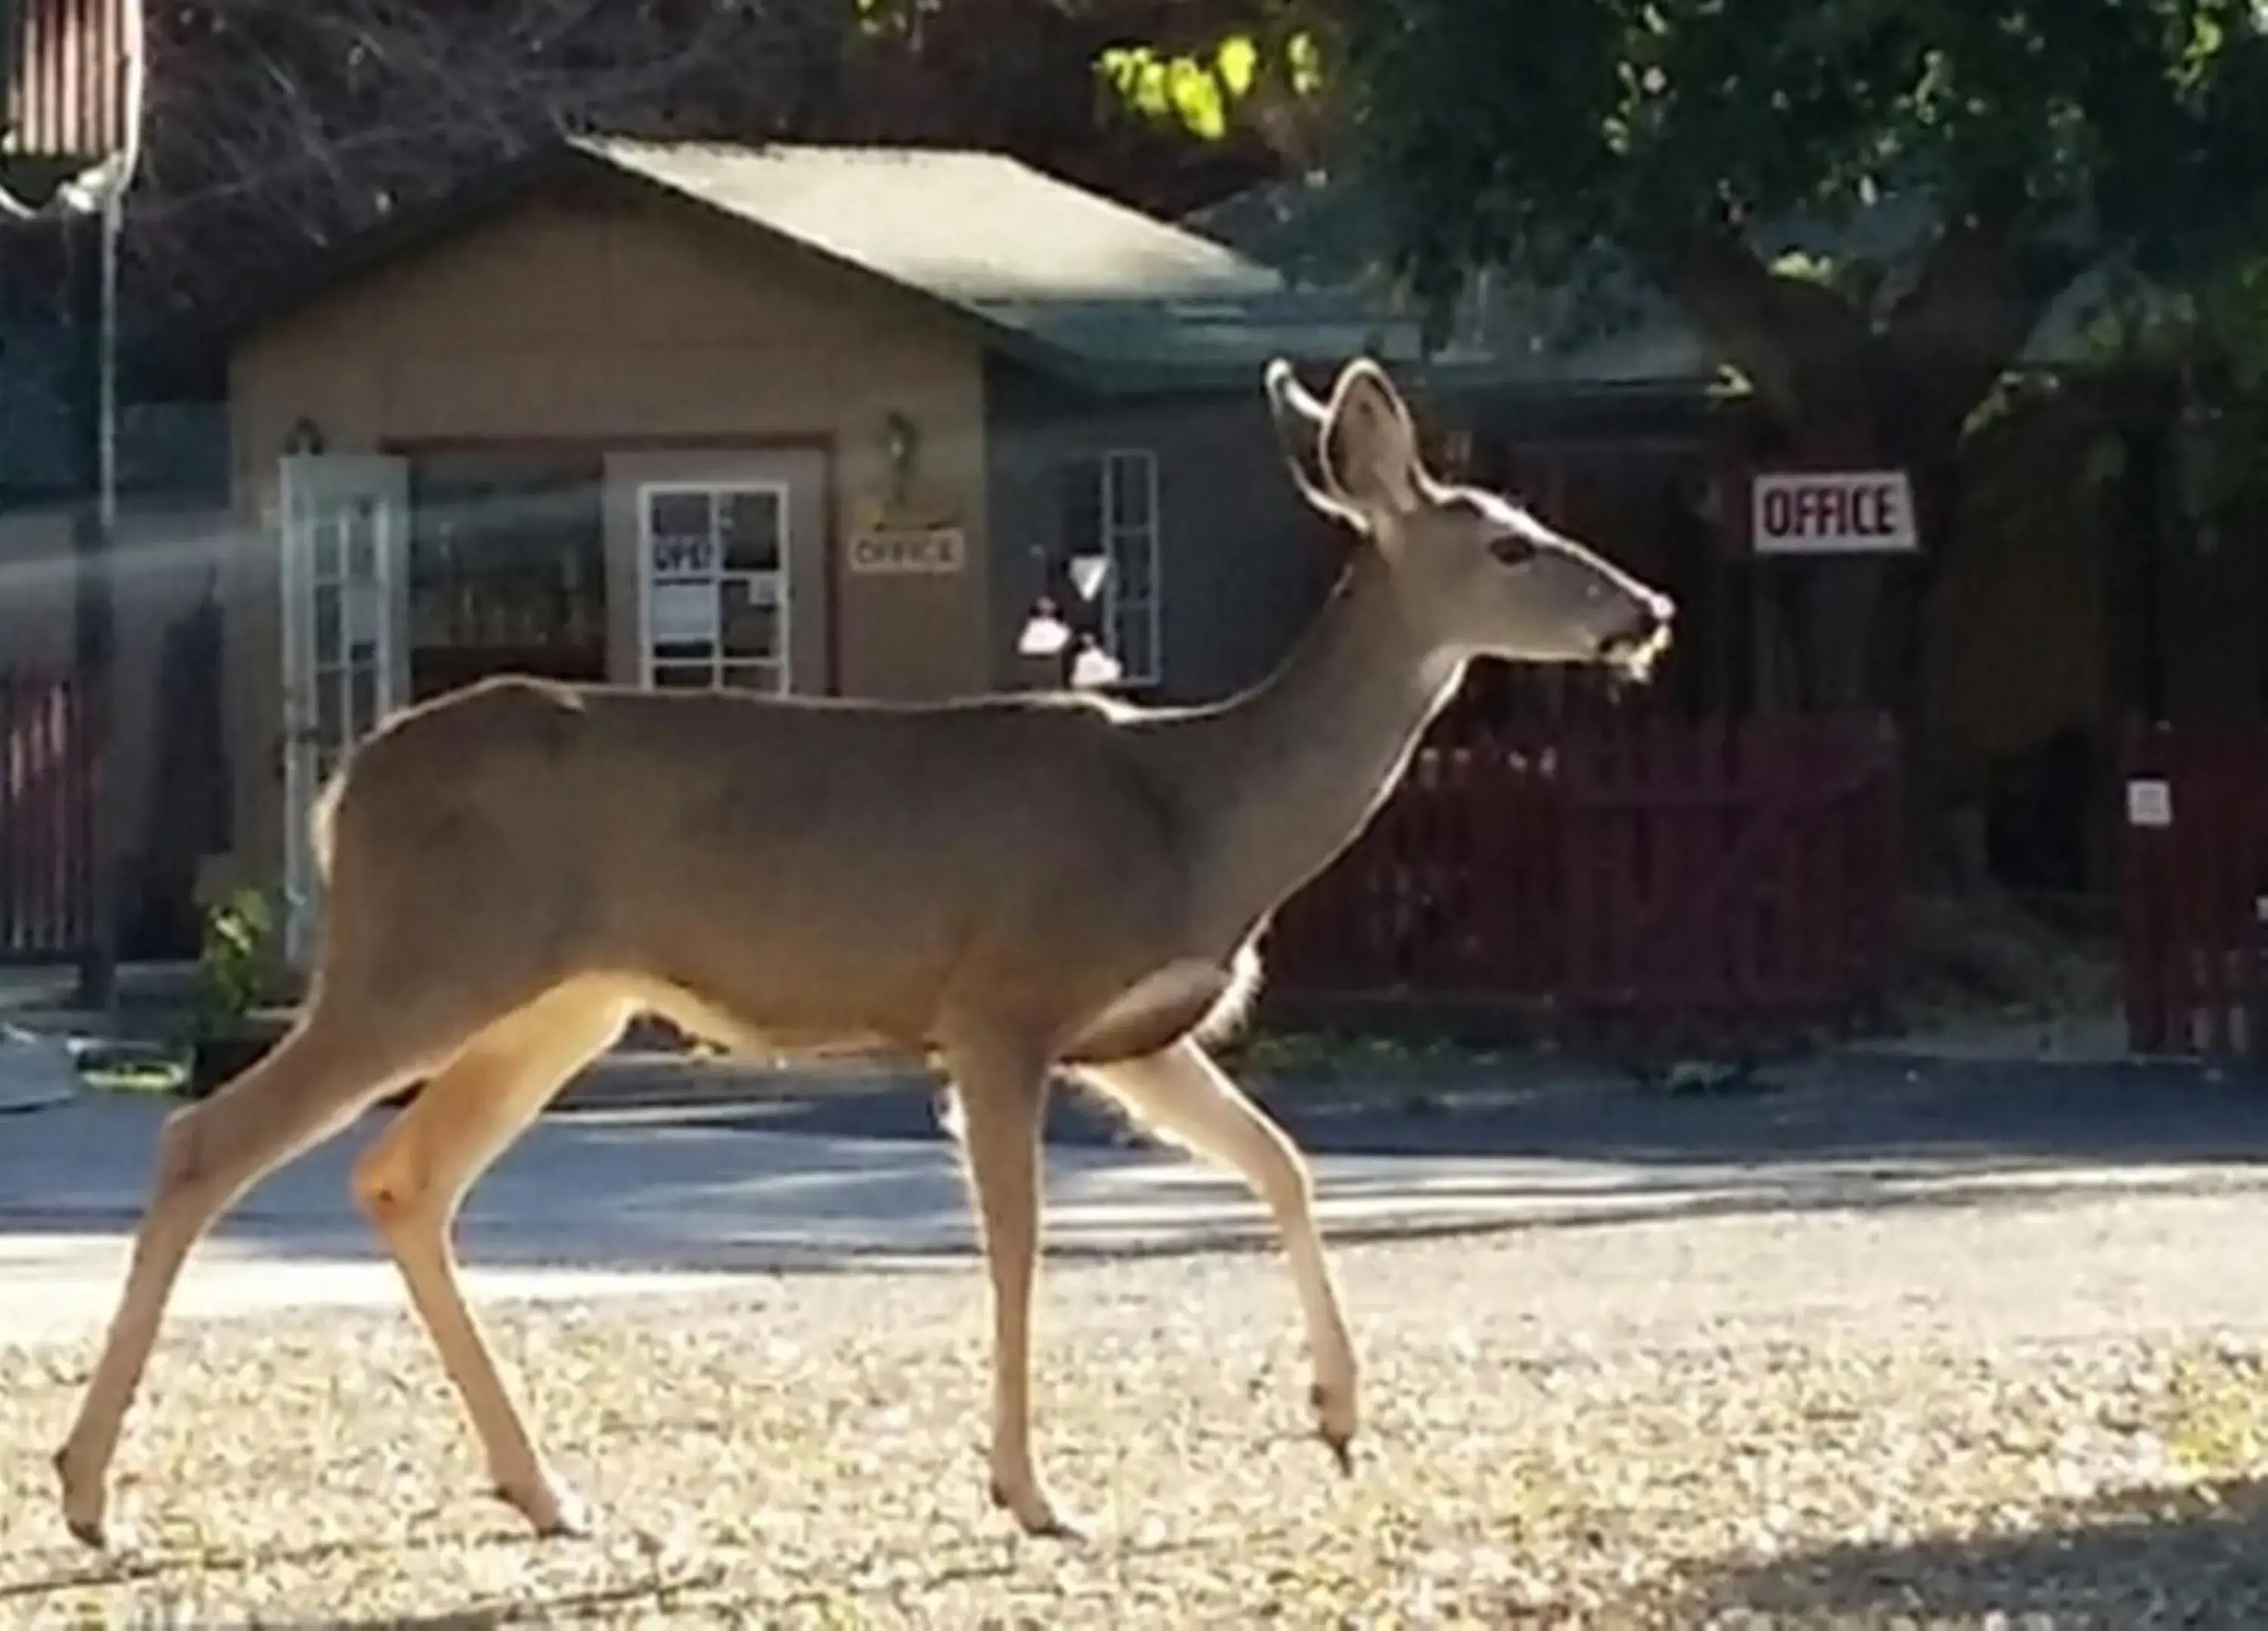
[1963, 323]
[1797, 341]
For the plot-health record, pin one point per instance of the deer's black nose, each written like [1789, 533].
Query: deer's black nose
[1653, 616]
[1648, 619]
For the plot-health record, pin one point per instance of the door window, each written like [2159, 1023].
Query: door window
[713, 565]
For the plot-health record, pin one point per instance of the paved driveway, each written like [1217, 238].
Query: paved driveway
[639, 1200]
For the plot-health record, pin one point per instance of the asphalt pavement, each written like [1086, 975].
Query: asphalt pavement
[624, 1200]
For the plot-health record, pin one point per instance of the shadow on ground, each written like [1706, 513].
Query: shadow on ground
[2195, 1557]
[1824, 1108]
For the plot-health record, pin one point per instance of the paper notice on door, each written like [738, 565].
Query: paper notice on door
[683, 614]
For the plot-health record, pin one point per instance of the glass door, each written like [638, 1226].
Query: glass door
[345, 528]
[713, 590]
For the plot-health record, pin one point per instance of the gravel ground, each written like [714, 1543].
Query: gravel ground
[2042, 1414]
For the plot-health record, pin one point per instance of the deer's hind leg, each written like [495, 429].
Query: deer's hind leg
[344, 1053]
[413, 1179]
[1000, 1079]
[1183, 1096]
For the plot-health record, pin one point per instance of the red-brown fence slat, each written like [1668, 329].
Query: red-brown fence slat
[45, 815]
[1821, 880]
[2178, 974]
[2202, 892]
[1579, 848]
[2241, 790]
[1656, 882]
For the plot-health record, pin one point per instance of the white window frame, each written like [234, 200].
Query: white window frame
[1116, 541]
[783, 611]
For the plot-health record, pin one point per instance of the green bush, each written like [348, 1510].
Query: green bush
[233, 963]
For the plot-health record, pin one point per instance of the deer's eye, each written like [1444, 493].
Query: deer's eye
[1512, 549]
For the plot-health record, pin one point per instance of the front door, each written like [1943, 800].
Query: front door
[345, 537]
[714, 585]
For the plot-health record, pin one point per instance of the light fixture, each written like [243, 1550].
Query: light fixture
[1094, 666]
[1089, 574]
[1045, 633]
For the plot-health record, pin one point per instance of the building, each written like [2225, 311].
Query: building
[815, 420]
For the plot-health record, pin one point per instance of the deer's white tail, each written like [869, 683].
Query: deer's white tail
[321, 820]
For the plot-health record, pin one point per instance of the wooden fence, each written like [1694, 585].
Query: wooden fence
[1621, 885]
[47, 818]
[2193, 888]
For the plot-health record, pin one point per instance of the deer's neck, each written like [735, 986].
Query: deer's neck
[1296, 767]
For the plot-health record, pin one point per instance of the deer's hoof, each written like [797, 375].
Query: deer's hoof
[1035, 1515]
[553, 1511]
[1335, 1425]
[82, 1506]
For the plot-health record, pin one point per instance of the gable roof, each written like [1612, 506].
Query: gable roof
[1050, 272]
[971, 228]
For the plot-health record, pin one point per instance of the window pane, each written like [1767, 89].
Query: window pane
[1081, 519]
[679, 537]
[751, 619]
[677, 515]
[1130, 490]
[330, 638]
[1136, 651]
[752, 526]
[330, 704]
[327, 543]
[764, 677]
[364, 700]
[362, 608]
[360, 524]
[507, 567]
[683, 676]
[1133, 566]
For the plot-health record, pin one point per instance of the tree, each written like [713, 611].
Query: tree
[277, 127]
[1558, 136]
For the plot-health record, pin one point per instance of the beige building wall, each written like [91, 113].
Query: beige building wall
[667, 340]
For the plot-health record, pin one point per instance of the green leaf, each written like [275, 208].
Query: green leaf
[1196, 98]
[1805, 267]
[1236, 62]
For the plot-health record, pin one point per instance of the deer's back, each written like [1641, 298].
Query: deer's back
[784, 854]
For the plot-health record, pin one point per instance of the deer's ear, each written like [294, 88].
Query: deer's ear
[1301, 423]
[1370, 442]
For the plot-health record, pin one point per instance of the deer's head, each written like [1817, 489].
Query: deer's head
[1479, 574]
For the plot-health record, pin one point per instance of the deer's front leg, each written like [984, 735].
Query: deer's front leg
[1184, 1098]
[414, 1177]
[1003, 1090]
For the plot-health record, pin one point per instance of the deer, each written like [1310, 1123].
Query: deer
[1019, 887]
